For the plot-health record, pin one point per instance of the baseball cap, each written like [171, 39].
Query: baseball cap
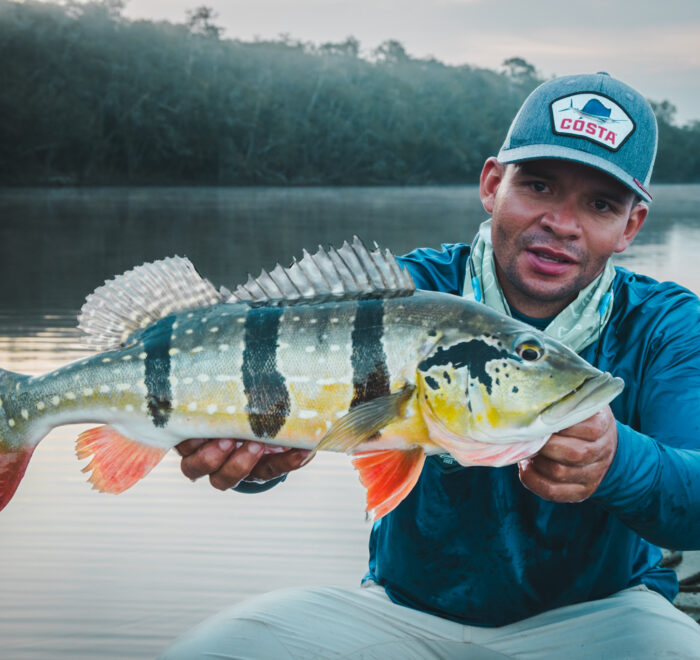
[592, 119]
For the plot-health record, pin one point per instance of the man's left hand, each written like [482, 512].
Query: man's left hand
[573, 462]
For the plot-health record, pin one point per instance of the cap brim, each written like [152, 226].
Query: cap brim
[539, 151]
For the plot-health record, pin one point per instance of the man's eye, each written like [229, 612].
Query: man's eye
[538, 186]
[602, 205]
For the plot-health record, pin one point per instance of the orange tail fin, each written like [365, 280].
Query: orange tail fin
[117, 462]
[12, 467]
[389, 475]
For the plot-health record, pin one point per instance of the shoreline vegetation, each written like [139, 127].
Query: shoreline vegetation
[92, 98]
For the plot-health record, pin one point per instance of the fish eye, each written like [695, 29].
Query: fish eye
[529, 348]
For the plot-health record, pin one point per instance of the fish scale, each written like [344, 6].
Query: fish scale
[351, 359]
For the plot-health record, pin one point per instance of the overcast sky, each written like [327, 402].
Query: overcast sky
[651, 44]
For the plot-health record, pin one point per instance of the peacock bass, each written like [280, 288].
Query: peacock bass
[337, 352]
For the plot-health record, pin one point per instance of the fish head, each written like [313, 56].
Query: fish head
[512, 385]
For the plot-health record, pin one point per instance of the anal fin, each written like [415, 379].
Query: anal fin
[389, 476]
[117, 461]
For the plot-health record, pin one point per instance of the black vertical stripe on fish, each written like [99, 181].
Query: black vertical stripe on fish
[159, 396]
[264, 385]
[370, 376]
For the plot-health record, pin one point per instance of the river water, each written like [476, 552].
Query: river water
[87, 575]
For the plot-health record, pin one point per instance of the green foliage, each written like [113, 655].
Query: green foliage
[90, 97]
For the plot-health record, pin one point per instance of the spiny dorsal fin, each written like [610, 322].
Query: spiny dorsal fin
[351, 271]
[141, 296]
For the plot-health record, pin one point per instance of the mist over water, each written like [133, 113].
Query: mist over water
[88, 575]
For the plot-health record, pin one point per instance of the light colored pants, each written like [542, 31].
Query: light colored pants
[329, 622]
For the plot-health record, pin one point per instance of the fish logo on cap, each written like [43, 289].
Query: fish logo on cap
[592, 117]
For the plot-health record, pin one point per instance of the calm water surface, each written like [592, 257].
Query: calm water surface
[87, 575]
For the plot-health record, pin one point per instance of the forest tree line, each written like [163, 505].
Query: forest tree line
[89, 97]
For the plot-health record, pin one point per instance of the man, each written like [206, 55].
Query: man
[557, 556]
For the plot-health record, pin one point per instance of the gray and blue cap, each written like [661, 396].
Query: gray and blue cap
[591, 119]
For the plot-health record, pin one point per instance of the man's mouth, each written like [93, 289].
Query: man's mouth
[552, 256]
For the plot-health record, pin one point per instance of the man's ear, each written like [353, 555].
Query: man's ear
[491, 177]
[636, 218]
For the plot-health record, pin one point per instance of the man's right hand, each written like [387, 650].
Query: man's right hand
[227, 461]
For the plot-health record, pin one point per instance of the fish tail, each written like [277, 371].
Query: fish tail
[16, 441]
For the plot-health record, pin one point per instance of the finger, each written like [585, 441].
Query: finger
[275, 465]
[207, 458]
[559, 473]
[187, 447]
[571, 451]
[592, 428]
[550, 490]
[237, 466]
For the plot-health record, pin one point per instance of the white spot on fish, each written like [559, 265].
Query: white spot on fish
[283, 344]
[190, 315]
[328, 381]
[223, 347]
[55, 400]
[70, 395]
[295, 318]
[230, 409]
[204, 319]
[25, 413]
[334, 320]
[173, 351]
[224, 378]
[313, 321]
[88, 391]
[126, 358]
[0, 401]
[334, 348]
[310, 349]
[11, 422]
[174, 380]
[104, 360]
[241, 320]
[188, 381]
[202, 378]
[142, 356]
[83, 363]
[122, 387]
[40, 405]
[214, 329]
[212, 408]
[192, 406]
[189, 331]
[197, 349]
[129, 408]
[104, 389]
[175, 325]
[307, 414]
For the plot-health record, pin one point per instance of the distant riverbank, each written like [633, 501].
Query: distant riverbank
[91, 98]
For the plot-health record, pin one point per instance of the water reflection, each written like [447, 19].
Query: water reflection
[91, 575]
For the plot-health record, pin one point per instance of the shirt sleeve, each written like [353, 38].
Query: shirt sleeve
[653, 484]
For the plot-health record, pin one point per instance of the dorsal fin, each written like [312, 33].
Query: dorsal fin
[351, 271]
[141, 296]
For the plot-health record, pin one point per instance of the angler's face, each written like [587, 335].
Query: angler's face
[555, 224]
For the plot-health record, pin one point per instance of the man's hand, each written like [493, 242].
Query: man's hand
[228, 461]
[570, 467]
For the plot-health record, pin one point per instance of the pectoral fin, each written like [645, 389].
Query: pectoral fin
[389, 476]
[117, 461]
[363, 421]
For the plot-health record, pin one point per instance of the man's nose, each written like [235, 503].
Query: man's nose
[562, 221]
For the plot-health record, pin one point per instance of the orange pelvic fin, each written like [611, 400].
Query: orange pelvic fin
[12, 467]
[117, 462]
[389, 476]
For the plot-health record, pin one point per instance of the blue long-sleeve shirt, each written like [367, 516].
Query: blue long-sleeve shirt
[473, 545]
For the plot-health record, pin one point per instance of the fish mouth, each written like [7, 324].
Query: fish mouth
[583, 402]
